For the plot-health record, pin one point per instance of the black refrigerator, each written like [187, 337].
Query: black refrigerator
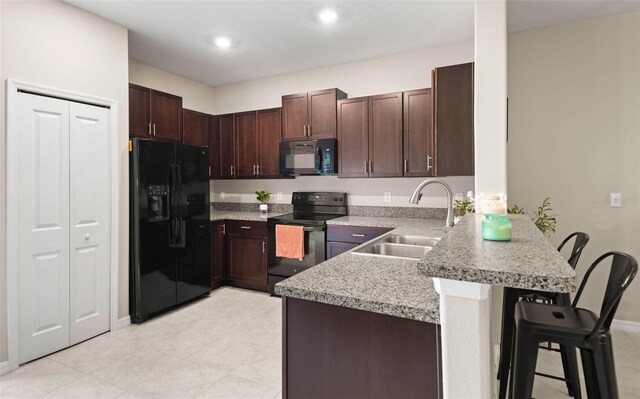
[170, 228]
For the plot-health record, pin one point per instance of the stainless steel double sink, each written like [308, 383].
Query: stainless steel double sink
[398, 246]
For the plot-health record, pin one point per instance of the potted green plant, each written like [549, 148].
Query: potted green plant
[263, 197]
[544, 220]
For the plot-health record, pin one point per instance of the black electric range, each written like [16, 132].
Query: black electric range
[310, 210]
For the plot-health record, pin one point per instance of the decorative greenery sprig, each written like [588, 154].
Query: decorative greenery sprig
[263, 196]
[463, 206]
[542, 218]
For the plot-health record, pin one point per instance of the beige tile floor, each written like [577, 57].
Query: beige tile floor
[224, 346]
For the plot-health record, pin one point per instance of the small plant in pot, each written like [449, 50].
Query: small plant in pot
[544, 220]
[263, 197]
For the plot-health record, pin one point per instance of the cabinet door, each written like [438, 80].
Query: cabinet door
[269, 137]
[418, 133]
[294, 117]
[335, 248]
[385, 135]
[453, 119]
[322, 115]
[217, 254]
[247, 261]
[214, 147]
[139, 111]
[246, 145]
[353, 137]
[195, 128]
[166, 116]
[227, 146]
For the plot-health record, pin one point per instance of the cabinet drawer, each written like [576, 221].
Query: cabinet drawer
[354, 234]
[247, 228]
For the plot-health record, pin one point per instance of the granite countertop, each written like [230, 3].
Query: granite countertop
[528, 261]
[383, 285]
[252, 216]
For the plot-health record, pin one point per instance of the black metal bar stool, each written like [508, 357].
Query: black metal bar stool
[512, 295]
[573, 327]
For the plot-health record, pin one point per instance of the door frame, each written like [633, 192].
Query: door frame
[12, 89]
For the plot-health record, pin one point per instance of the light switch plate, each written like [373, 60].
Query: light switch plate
[221, 194]
[387, 196]
[279, 196]
[615, 200]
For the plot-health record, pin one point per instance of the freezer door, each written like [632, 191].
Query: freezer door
[152, 260]
[191, 207]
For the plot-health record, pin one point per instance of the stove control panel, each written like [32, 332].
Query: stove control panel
[319, 198]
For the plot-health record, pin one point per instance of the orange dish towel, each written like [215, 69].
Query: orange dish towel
[289, 241]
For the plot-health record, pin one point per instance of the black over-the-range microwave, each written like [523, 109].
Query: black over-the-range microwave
[309, 157]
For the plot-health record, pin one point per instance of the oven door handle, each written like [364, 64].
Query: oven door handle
[314, 229]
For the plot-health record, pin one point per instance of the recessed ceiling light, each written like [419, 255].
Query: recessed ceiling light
[328, 16]
[222, 42]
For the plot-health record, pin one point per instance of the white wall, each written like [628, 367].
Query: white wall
[574, 134]
[195, 96]
[398, 72]
[57, 45]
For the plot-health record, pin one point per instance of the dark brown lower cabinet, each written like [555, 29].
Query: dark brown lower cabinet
[246, 258]
[335, 248]
[217, 254]
[336, 352]
[344, 238]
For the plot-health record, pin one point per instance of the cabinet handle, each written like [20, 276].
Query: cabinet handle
[224, 228]
[245, 227]
[429, 165]
[405, 166]
[231, 170]
[264, 246]
[254, 170]
[365, 167]
[309, 134]
[370, 166]
[154, 129]
[358, 235]
[258, 166]
[150, 129]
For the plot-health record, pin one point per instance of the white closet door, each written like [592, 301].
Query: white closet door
[43, 228]
[90, 227]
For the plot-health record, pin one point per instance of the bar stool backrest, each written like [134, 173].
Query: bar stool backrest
[581, 241]
[623, 270]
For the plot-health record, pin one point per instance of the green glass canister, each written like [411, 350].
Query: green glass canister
[496, 227]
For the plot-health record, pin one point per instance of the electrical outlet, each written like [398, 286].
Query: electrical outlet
[615, 200]
[279, 196]
[387, 196]
[221, 194]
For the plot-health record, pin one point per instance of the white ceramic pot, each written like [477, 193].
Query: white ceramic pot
[264, 208]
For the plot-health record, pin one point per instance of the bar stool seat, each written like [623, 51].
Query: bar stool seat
[556, 321]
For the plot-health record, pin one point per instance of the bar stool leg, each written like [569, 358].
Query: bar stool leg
[590, 376]
[571, 372]
[509, 299]
[524, 365]
[605, 370]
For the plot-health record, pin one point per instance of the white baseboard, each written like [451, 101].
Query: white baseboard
[123, 322]
[626, 325]
[4, 368]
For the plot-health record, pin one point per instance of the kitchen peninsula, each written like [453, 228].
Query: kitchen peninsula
[386, 311]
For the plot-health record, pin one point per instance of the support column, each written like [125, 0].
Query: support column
[465, 322]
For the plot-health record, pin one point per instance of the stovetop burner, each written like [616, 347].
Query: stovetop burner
[314, 208]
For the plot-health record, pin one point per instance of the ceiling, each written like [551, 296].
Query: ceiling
[277, 37]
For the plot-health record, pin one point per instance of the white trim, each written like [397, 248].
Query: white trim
[461, 289]
[123, 322]
[626, 325]
[4, 368]
[12, 87]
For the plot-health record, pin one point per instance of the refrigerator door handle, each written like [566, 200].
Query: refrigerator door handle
[179, 174]
[183, 233]
[172, 233]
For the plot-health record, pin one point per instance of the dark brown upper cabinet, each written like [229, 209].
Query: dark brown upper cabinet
[370, 136]
[452, 88]
[353, 137]
[246, 144]
[225, 132]
[418, 133]
[162, 118]
[195, 128]
[385, 135]
[312, 115]
[269, 137]
[214, 147]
